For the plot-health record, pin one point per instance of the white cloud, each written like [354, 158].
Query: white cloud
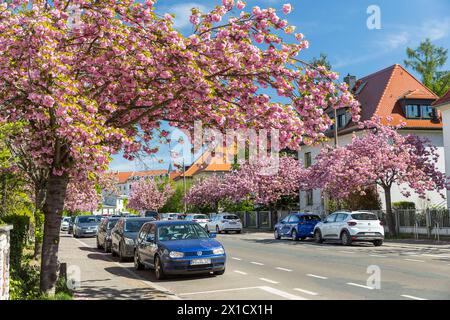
[182, 12]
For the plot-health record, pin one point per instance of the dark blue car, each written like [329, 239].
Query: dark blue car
[178, 247]
[296, 226]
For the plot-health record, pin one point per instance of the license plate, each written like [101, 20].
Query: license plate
[195, 262]
[370, 233]
[232, 222]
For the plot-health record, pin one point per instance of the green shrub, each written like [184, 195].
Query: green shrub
[18, 237]
[404, 205]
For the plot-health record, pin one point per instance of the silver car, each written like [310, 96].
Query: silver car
[86, 226]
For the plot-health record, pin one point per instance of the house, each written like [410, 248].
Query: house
[443, 105]
[116, 202]
[389, 92]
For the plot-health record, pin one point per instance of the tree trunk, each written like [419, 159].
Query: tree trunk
[390, 219]
[53, 207]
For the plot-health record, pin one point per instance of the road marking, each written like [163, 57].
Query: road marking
[240, 272]
[282, 293]
[346, 251]
[316, 276]
[268, 280]
[214, 291]
[234, 258]
[412, 297]
[283, 269]
[134, 274]
[414, 260]
[306, 291]
[436, 255]
[377, 255]
[359, 285]
[257, 263]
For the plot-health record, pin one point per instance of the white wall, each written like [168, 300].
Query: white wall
[445, 111]
[436, 138]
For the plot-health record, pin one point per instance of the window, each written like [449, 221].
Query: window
[293, 219]
[309, 198]
[341, 217]
[307, 159]
[364, 216]
[342, 120]
[331, 218]
[417, 111]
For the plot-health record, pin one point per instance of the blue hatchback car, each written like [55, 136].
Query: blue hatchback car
[297, 226]
[178, 247]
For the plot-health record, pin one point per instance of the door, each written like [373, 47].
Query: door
[141, 238]
[327, 226]
[151, 247]
[101, 232]
[339, 224]
[284, 225]
[293, 223]
[115, 235]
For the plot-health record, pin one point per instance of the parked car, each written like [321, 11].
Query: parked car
[224, 222]
[123, 236]
[171, 216]
[71, 222]
[350, 227]
[201, 219]
[85, 226]
[151, 214]
[178, 247]
[104, 233]
[65, 223]
[296, 226]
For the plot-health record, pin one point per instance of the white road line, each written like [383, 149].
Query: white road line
[268, 280]
[316, 276]
[283, 269]
[234, 258]
[257, 263]
[282, 293]
[151, 284]
[346, 251]
[306, 291]
[359, 285]
[214, 291]
[414, 260]
[377, 255]
[412, 297]
[240, 272]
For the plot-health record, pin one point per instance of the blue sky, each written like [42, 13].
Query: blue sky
[338, 29]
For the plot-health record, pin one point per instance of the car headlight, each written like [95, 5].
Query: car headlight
[176, 254]
[218, 251]
[129, 241]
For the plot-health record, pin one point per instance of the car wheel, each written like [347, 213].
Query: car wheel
[276, 234]
[239, 231]
[159, 272]
[345, 238]
[219, 273]
[378, 243]
[294, 235]
[217, 229]
[98, 244]
[137, 262]
[318, 236]
[302, 238]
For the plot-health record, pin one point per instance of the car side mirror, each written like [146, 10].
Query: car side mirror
[325, 221]
[213, 235]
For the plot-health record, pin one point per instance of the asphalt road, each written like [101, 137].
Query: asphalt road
[260, 268]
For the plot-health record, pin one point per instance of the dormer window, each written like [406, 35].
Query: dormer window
[419, 111]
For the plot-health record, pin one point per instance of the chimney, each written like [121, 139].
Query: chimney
[351, 81]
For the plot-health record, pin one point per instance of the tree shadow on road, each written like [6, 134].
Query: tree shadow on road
[112, 293]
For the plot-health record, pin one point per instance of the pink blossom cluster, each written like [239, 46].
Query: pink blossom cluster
[383, 156]
[254, 182]
[147, 195]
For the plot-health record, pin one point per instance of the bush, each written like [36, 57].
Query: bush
[404, 205]
[18, 237]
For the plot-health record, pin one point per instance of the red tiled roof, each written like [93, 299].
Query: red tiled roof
[124, 176]
[383, 91]
[445, 99]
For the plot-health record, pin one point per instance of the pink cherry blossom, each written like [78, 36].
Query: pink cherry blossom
[287, 8]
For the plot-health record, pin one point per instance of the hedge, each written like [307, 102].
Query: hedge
[18, 237]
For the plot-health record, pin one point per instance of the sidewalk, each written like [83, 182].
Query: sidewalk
[102, 278]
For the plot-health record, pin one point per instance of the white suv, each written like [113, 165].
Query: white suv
[224, 222]
[350, 227]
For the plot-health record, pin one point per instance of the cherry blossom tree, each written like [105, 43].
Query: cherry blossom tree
[147, 195]
[89, 85]
[251, 181]
[380, 156]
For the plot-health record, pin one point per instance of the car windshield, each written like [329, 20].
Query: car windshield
[311, 218]
[181, 232]
[66, 219]
[230, 217]
[134, 225]
[364, 216]
[200, 216]
[88, 219]
[111, 223]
